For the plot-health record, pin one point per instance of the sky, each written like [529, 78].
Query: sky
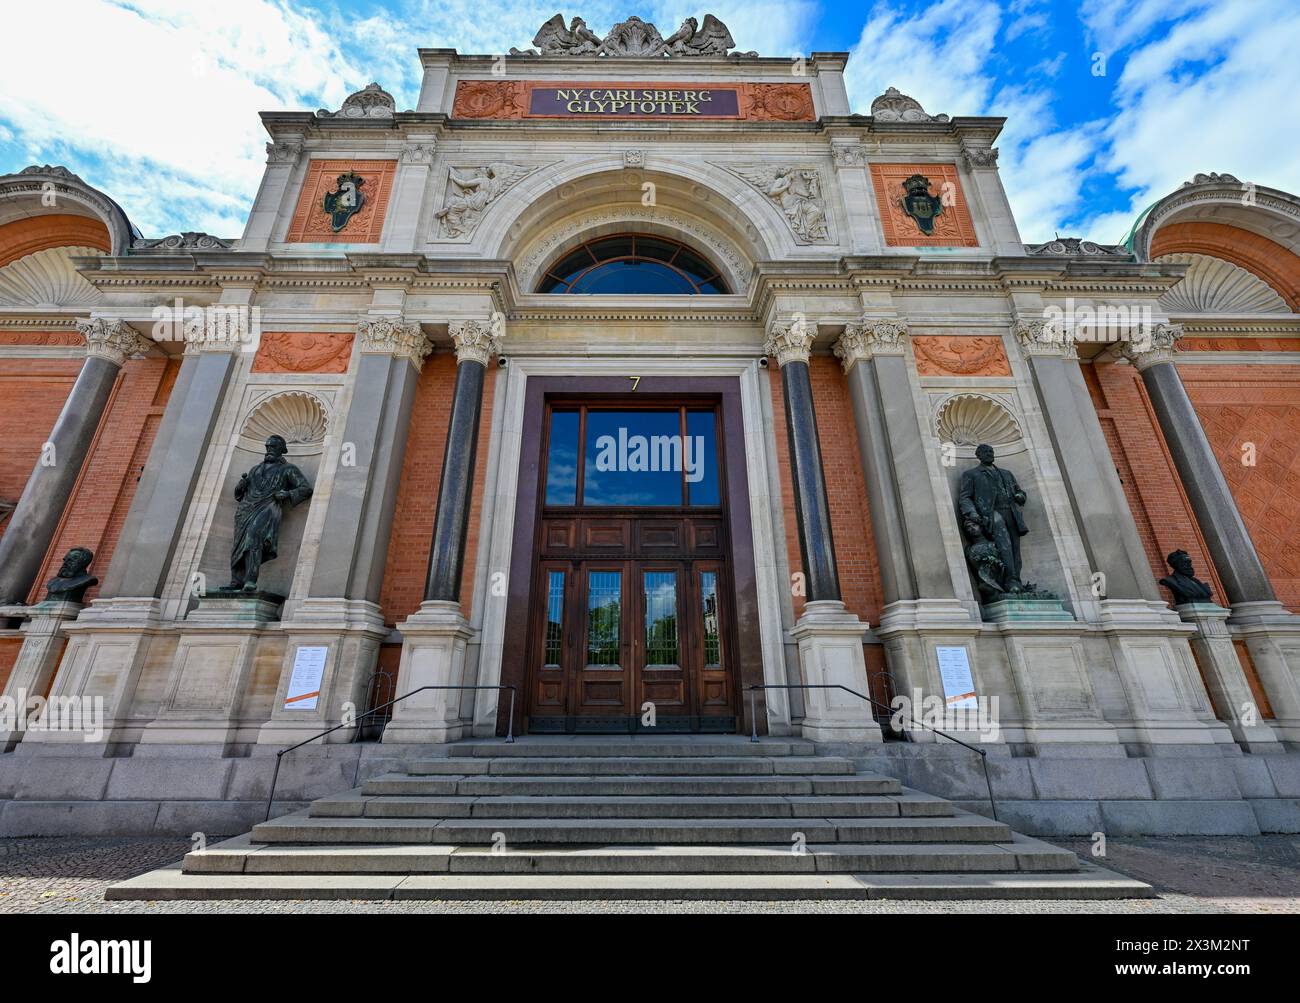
[1110, 104]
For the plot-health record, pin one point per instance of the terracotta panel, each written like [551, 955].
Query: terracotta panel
[953, 228]
[954, 355]
[303, 352]
[311, 223]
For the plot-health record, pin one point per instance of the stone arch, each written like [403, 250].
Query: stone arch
[79, 216]
[1253, 227]
[560, 206]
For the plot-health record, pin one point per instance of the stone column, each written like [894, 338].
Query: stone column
[27, 537]
[922, 608]
[1101, 510]
[829, 636]
[435, 637]
[1271, 632]
[341, 612]
[109, 642]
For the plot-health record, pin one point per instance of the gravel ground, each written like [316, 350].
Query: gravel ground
[1193, 875]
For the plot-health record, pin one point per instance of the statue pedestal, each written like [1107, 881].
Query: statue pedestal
[1272, 636]
[1225, 678]
[37, 661]
[433, 654]
[1026, 611]
[205, 687]
[830, 652]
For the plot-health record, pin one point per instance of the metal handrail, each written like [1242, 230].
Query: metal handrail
[275, 777]
[753, 718]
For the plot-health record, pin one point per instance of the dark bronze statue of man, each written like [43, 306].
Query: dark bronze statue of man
[262, 494]
[1183, 583]
[73, 579]
[989, 501]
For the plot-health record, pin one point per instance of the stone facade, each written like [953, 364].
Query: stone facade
[872, 317]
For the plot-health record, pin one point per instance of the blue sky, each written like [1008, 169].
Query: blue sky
[1110, 103]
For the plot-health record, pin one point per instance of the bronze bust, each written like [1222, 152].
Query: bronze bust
[1183, 583]
[73, 579]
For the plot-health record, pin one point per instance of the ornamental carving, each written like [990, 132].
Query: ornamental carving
[475, 340]
[470, 190]
[489, 99]
[797, 192]
[974, 419]
[894, 106]
[633, 38]
[980, 158]
[863, 340]
[296, 416]
[283, 153]
[948, 355]
[45, 339]
[394, 336]
[419, 153]
[190, 240]
[1042, 337]
[48, 279]
[952, 227]
[372, 101]
[113, 340]
[303, 352]
[1076, 247]
[777, 102]
[1152, 345]
[313, 223]
[790, 341]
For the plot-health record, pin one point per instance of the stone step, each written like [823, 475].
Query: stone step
[303, 828]
[396, 784]
[1015, 853]
[610, 746]
[716, 766]
[170, 884]
[909, 804]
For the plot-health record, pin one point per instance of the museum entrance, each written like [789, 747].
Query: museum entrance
[630, 621]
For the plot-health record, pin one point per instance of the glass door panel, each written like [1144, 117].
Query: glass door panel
[604, 619]
[661, 640]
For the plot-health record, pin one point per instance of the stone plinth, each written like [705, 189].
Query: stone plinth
[830, 652]
[229, 606]
[1026, 611]
[433, 654]
[37, 661]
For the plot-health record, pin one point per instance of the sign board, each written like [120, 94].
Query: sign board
[628, 100]
[958, 684]
[305, 680]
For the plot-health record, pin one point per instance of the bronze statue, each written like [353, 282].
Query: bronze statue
[989, 501]
[1183, 583]
[73, 579]
[262, 494]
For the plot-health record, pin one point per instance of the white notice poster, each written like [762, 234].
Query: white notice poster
[304, 683]
[958, 684]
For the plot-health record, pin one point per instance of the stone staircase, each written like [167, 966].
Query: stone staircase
[630, 818]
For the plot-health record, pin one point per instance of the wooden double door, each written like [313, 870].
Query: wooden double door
[631, 627]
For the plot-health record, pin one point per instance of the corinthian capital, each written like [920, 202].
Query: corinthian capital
[475, 340]
[864, 339]
[1039, 336]
[790, 341]
[394, 336]
[1152, 345]
[113, 340]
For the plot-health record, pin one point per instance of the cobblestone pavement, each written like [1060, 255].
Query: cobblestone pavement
[1194, 875]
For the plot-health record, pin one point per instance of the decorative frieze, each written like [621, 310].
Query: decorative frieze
[790, 341]
[190, 240]
[475, 340]
[394, 336]
[113, 340]
[1152, 346]
[303, 352]
[960, 355]
[862, 340]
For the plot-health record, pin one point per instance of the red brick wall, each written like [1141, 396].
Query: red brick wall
[97, 508]
[855, 545]
[1155, 493]
[417, 494]
[32, 392]
[9, 648]
[1240, 404]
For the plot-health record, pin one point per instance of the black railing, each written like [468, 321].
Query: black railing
[753, 717]
[279, 756]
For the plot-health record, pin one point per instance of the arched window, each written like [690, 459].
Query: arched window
[633, 264]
